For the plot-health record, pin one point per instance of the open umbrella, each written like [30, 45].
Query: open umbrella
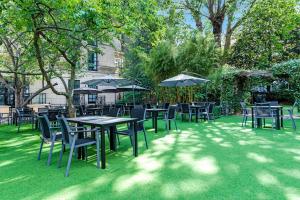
[108, 80]
[131, 88]
[85, 90]
[182, 80]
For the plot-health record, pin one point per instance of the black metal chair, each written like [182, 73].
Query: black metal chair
[70, 137]
[291, 116]
[186, 110]
[5, 117]
[50, 134]
[264, 112]
[245, 113]
[208, 112]
[170, 116]
[105, 110]
[140, 114]
[24, 115]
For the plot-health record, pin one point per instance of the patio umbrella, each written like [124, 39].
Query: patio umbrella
[182, 80]
[132, 88]
[108, 80]
[85, 90]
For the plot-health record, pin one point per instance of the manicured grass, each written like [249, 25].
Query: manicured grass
[208, 160]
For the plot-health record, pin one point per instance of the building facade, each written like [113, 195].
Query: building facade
[108, 62]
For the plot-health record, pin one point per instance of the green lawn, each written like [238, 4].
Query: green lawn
[208, 160]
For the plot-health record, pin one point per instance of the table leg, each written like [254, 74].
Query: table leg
[281, 117]
[112, 138]
[277, 120]
[252, 114]
[197, 112]
[155, 121]
[135, 141]
[80, 150]
[103, 159]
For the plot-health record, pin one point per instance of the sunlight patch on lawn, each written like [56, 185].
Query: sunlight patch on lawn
[267, 179]
[5, 163]
[133, 180]
[259, 158]
[68, 193]
[205, 165]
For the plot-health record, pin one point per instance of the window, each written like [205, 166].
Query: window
[92, 61]
[92, 98]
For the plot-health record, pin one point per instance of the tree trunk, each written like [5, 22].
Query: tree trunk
[217, 30]
[71, 108]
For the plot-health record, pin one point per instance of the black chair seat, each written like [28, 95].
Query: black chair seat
[85, 141]
[125, 132]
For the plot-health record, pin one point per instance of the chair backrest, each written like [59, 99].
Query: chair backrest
[261, 111]
[211, 107]
[138, 107]
[243, 104]
[65, 128]
[53, 113]
[105, 110]
[262, 104]
[166, 105]
[81, 110]
[24, 111]
[44, 126]
[273, 103]
[185, 107]
[140, 114]
[171, 114]
[114, 112]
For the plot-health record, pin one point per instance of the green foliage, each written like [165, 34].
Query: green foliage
[266, 36]
[198, 54]
[289, 71]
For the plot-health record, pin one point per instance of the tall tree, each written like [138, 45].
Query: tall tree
[225, 16]
[18, 66]
[62, 31]
[268, 35]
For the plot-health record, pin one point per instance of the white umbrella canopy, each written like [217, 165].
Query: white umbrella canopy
[108, 80]
[183, 80]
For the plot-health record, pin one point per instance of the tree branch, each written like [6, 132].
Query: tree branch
[37, 93]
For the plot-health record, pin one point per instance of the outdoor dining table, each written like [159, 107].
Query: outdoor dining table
[106, 122]
[279, 116]
[94, 110]
[197, 108]
[154, 114]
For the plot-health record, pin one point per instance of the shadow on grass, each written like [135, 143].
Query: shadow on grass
[208, 160]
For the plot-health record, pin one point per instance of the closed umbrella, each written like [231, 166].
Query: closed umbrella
[85, 90]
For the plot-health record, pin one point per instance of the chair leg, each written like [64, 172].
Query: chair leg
[98, 153]
[70, 157]
[145, 137]
[40, 151]
[86, 153]
[130, 140]
[243, 120]
[118, 138]
[175, 124]
[61, 155]
[51, 150]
